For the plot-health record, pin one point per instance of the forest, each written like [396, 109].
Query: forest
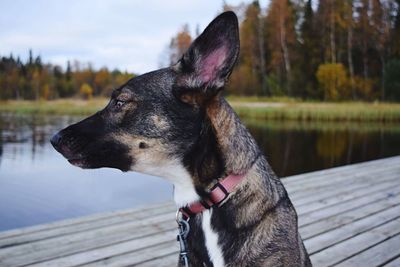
[322, 50]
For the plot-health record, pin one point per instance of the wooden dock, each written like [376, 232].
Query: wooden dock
[348, 216]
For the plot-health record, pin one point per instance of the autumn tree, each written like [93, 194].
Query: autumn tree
[392, 79]
[36, 80]
[249, 78]
[309, 47]
[395, 33]
[281, 40]
[179, 44]
[380, 24]
[364, 32]
[86, 91]
[102, 82]
[333, 81]
[349, 25]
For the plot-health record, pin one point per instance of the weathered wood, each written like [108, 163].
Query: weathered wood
[334, 191]
[83, 226]
[301, 178]
[394, 262]
[140, 256]
[376, 255]
[347, 215]
[343, 182]
[329, 238]
[343, 196]
[353, 246]
[329, 177]
[152, 209]
[77, 242]
[168, 261]
[97, 255]
[313, 216]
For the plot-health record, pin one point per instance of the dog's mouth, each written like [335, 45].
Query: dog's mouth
[92, 152]
[79, 162]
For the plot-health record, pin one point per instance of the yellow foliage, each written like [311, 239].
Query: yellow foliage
[333, 80]
[243, 82]
[86, 91]
[363, 87]
[45, 92]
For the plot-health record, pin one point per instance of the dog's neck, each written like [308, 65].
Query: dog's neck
[224, 147]
[238, 148]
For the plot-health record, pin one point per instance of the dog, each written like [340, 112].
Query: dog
[175, 123]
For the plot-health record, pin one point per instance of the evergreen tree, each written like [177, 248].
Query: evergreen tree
[309, 53]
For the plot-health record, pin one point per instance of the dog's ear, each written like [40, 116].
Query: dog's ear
[207, 64]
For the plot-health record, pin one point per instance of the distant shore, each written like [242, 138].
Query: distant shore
[253, 108]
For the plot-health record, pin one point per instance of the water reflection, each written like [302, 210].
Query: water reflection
[31, 131]
[294, 147]
[37, 185]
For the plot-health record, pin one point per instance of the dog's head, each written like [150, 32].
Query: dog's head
[157, 119]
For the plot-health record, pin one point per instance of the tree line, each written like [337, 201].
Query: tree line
[326, 50]
[35, 80]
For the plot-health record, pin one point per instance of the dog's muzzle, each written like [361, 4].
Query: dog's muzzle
[68, 145]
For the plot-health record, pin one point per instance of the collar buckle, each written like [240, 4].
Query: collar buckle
[218, 194]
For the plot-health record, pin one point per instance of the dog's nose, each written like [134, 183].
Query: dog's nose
[56, 140]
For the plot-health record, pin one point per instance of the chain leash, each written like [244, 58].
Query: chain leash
[184, 228]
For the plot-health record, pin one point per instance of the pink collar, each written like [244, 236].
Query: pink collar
[218, 193]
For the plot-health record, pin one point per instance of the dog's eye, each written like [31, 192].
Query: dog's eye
[119, 103]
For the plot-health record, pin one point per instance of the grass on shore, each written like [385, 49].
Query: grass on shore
[289, 109]
[377, 112]
[68, 106]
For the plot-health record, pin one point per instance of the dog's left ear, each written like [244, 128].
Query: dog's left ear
[207, 64]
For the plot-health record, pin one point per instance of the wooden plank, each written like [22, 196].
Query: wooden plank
[335, 206]
[353, 246]
[344, 181]
[351, 168]
[97, 256]
[74, 243]
[83, 226]
[314, 216]
[139, 256]
[142, 211]
[344, 218]
[76, 237]
[377, 255]
[342, 197]
[330, 238]
[353, 187]
[167, 261]
[394, 262]
[331, 179]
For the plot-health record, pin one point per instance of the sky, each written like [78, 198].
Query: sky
[125, 34]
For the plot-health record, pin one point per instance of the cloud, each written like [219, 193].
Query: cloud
[124, 34]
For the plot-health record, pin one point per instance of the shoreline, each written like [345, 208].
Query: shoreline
[263, 110]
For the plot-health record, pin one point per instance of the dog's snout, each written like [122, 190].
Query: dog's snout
[56, 140]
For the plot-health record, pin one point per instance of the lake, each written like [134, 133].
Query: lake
[37, 185]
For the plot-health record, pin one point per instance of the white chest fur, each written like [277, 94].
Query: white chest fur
[184, 193]
[211, 238]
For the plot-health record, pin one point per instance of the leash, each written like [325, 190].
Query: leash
[216, 197]
[184, 228]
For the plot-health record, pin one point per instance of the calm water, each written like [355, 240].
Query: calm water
[37, 185]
